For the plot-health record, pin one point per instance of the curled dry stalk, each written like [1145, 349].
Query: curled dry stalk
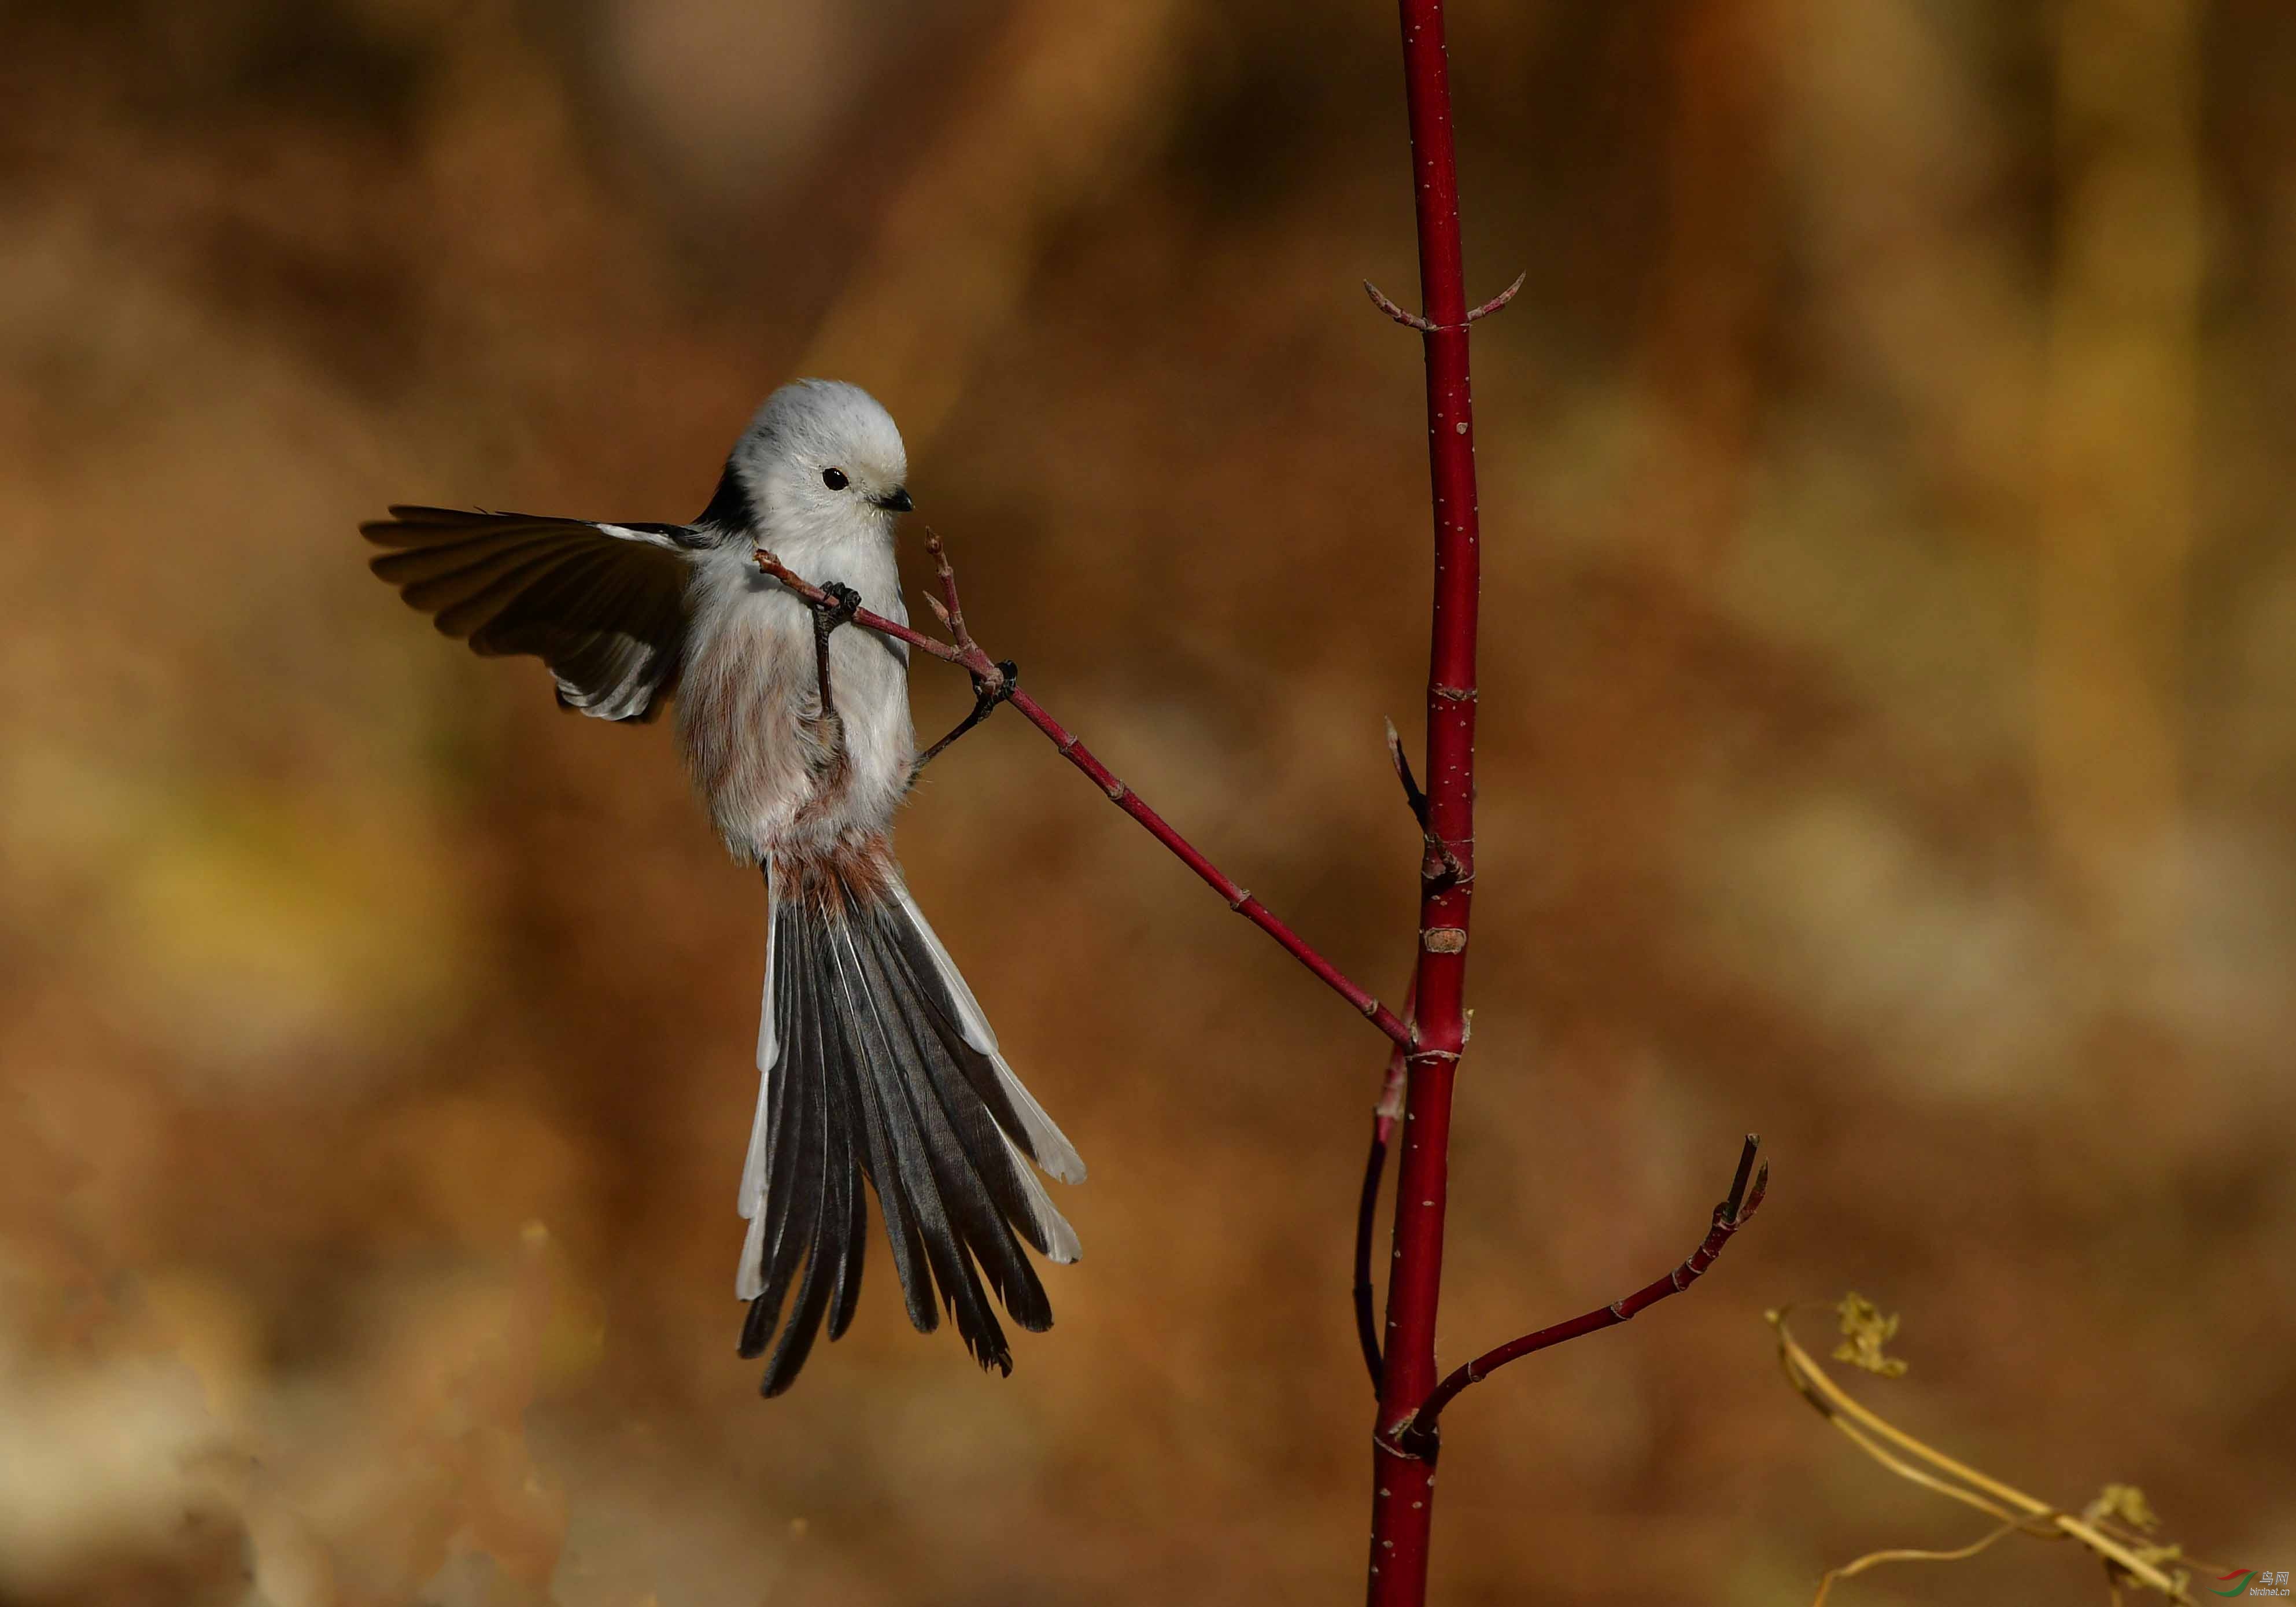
[2116, 1528]
[1904, 1554]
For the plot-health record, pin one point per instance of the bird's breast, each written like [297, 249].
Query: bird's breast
[749, 715]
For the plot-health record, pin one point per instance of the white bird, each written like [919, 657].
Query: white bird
[875, 1059]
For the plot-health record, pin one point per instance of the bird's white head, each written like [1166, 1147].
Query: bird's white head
[823, 465]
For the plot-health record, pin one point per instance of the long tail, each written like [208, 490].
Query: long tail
[877, 1064]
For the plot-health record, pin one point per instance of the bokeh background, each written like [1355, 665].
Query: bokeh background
[1889, 649]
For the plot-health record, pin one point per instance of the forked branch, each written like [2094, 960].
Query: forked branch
[1416, 1436]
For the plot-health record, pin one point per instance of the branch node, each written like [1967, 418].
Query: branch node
[1444, 940]
[1427, 326]
[1410, 1441]
[1442, 867]
[1454, 694]
[1242, 896]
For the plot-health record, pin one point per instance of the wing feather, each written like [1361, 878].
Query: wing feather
[603, 605]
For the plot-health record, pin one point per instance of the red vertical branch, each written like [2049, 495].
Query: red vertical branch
[1403, 1481]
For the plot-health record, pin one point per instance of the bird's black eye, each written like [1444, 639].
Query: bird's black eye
[835, 478]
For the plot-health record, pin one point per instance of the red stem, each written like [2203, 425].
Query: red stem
[1403, 1504]
[969, 656]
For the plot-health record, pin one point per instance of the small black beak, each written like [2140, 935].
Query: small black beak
[897, 501]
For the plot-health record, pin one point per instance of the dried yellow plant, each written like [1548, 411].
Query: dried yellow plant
[1865, 1334]
[2113, 1528]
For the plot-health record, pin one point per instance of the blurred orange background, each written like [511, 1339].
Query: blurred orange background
[1889, 646]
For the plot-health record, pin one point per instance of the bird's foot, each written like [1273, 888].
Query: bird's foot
[988, 692]
[841, 604]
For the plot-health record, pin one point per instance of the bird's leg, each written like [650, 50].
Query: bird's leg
[838, 609]
[987, 692]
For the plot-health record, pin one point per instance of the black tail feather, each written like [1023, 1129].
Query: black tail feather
[848, 1294]
[874, 1081]
[835, 1246]
[921, 1170]
[967, 1086]
[908, 952]
[969, 1156]
[883, 1163]
[795, 1165]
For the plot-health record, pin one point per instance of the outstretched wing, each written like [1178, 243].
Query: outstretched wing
[603, 605]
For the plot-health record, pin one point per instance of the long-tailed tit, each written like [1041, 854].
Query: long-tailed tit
[876, 1061]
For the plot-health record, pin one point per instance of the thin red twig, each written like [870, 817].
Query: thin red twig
[868, 618]
[1416, 1435]
[968, 655]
